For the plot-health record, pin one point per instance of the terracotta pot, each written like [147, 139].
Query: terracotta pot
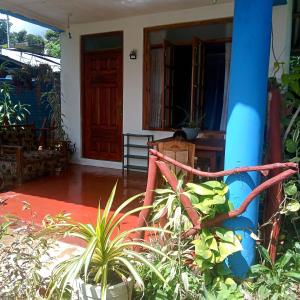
[120, 291]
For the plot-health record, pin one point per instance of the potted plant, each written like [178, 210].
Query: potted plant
[191, 129]
[106, 269]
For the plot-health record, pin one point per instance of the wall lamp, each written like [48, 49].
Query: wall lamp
[133, 54]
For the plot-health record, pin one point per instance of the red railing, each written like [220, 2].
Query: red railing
[157, 161]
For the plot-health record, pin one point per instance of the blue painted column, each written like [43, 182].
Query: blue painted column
[246, 116]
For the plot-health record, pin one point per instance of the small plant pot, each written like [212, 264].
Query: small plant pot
[191, 133]
[120, 291]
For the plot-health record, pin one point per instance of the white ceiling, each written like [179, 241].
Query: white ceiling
[55, 12]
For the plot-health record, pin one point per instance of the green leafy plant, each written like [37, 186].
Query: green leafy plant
[21, 263]
[182, 281]
[203, 255]
[11, 113]
[213, 245]
[290, 86]
[191, 124]
[23, 255]
[279, 280]
[109, 255]
[52, 45]
[227, 290]
[51, 100]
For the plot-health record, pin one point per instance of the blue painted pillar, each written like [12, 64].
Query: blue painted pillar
[246, 116]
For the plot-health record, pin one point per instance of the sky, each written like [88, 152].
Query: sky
[19, 25]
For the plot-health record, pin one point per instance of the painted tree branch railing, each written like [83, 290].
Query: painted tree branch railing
[157, 161]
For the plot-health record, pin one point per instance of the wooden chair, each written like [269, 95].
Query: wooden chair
[208, 134]
[181, 151]
[207, 160]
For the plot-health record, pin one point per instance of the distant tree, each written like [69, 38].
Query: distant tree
[52, 45]
[51, 35]
[36, 43]
[18, 37]
[3, 31]
[13, 38]
[21, 36]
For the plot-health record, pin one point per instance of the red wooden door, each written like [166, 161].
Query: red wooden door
[102, 105]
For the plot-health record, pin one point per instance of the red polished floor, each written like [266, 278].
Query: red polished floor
[78, 191]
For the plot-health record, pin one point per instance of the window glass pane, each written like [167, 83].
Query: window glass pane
[186, 34]
[156, 87]
[102, 42]
[296, 29]
[176, 73]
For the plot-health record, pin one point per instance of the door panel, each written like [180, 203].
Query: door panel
[102, 104]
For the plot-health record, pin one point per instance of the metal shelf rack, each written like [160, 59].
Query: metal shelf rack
[136, 141]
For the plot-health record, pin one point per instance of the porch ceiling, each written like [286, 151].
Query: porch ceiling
[55, 12]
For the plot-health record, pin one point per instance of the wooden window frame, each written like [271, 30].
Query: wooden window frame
[146, 60]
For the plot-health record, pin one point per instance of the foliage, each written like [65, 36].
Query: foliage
[18, 37]
[108, 254]
[31, 42]
[203, 255]
[21, 263]
[47, 88]
[182, 281]
[227, 290]
[291, 141]
[52, 45]
[22, 78]
[3, 31]
[23, 254]
[36, 44]
[11, 113]
[51, 99]
[279, 280]
[211, 249]
[27, 42]
[191, 124]
[215, 244]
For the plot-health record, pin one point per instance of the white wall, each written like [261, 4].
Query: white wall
[282, 27]
[133, 70]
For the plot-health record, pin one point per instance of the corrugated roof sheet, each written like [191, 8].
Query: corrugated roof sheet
[31, 59]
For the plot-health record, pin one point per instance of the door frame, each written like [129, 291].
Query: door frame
[82, 83]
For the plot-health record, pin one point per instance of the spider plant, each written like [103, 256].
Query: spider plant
[109, 252]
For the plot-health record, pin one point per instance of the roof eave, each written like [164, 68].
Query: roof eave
[31, 20]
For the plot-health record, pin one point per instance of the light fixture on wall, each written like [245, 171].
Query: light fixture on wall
[133, 54]
[68, 26]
